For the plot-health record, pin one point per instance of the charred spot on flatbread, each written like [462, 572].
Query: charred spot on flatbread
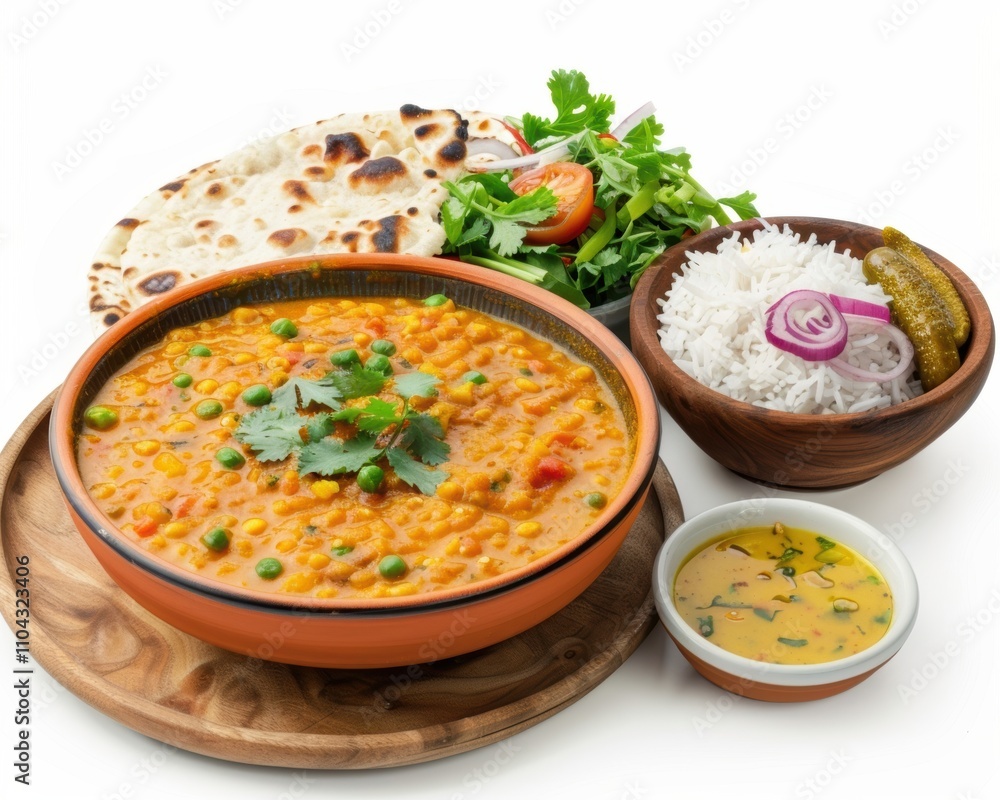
[129, 223]
[423, 131]
[390, 229]
[173, 186]
[227, 240]
[453, 152]
[158, 283]
[311, 150]
[289, 239]
[216, 190]
[350, 241]
[413, 211]
[298, 190]
[410, 111]
[206, 223]
[430, 173]
[345, 148]
[378, 172]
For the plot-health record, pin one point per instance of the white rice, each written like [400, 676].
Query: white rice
[712, 326]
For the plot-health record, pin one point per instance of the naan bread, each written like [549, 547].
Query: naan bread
[365, 183]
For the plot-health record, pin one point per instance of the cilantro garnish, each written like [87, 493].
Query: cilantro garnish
[411, 441]
[647, 195]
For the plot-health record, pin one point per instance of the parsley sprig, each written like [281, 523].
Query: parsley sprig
[411, 441]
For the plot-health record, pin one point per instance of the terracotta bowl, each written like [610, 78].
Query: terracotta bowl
[784, 682]
[803, 450]
[328, 632]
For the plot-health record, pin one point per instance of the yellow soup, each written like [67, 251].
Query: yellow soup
[345, 448]
[784, 596]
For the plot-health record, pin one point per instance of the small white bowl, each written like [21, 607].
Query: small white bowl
[784, 682]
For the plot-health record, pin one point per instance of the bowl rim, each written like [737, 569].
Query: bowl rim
[62, 449]
[709, 525]
[977, 356]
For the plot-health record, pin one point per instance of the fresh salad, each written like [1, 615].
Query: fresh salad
[583, 209]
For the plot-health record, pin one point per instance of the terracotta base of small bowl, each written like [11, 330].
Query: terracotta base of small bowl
[770, 692]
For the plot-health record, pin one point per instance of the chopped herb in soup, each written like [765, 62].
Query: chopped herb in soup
[348, 448]
[783, 595]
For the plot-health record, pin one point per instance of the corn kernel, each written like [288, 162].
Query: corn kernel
[324, 490]
[181, 426]
[169, 465]
[315, 347]
[175, 348]
[318, 560]
[528, 530]
[229, 420]
[463, 394]
[328, 592]
[450, 491]
[226, 567]
[175, 530]
[583, 373]
[229, 390]
[286, 545]
[526, 385]
[147, 447]
[157, 512]
[165, 493]
[401, 589]
[245, 316]
[254, 527]
[244, 358]
[206, 386]
[115, 471]
[102, 491]
[302, 582]
[157, 542]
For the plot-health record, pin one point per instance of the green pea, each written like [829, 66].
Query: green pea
[230, 459]
[596, 500]
[284, 327]
[208, 409]
[384, 347]
[392, 567]
[269, 568]
[475, 377]
[344, 358]
[182, 380]
[217, 539]
[370, 478]
[379, 363]
[435, 300]
[199, 350]
[100, 417]
[526, 372]
[343, 550]
[257, 395]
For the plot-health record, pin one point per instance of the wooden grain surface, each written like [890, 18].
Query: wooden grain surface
[114, 655]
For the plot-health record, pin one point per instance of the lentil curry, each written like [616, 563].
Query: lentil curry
[347, 448]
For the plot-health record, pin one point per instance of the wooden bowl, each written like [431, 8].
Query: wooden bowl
[358, 633]
[806, 451]
[763, 680]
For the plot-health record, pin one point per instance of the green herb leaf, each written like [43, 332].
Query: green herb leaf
[357, 382]
[793, 642]
[319, 426]
[333, 457]
[576, 109]
[825, 544]
[416, 384]
[377, 416]
[272, 433]
[303, 392]
[718, 603]
[423, 437]
[706, 626]
[413, 473]
[763, 613]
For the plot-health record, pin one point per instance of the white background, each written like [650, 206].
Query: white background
[883, 111]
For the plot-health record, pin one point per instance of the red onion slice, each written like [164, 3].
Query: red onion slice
[861, 308]
[626, 125]
[806, 324]
[552, 153]
[493, 147]
[905, 364]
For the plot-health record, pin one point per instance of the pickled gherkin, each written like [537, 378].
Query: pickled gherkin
[918, 311]
[942, 284]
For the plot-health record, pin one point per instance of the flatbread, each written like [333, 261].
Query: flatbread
[365, 183]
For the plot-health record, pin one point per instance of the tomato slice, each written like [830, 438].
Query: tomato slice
[573, 186]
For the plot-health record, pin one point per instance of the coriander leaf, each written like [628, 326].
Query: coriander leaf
[348, 414]
[477, 230]
[333, 457]
[576, 109]
[357, 382]
[319, 426]
[272, 433]
[495, 185]
[377, 416]
[646, 135]
[416, 384]
[742, 204]
[536, 205]
[423, 437]
[411, 472]
[507, 237]
[453, 213]
[303, 392]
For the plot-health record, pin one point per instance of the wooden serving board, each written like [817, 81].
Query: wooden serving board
[110, 652]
